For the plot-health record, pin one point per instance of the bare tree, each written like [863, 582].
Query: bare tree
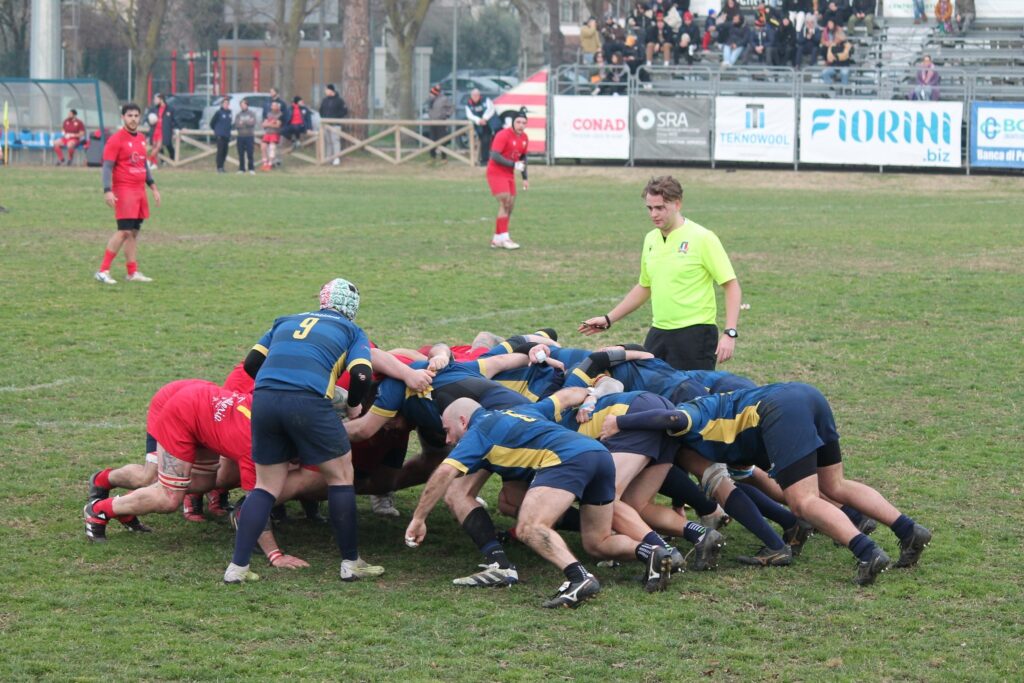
[355, 77]
[405, 18]
[14, 23]
[556, 41]
[531, 34]
[139, 23]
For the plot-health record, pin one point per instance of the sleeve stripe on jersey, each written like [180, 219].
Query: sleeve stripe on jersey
[456, 464]
[359, 361]
[261, 348]
[689, 425]
[383, 412]
[587, 379]
[558, 408]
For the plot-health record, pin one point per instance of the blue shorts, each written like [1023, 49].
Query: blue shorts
[295, 424]
[796, 421]
[655, 444]
[589, 476]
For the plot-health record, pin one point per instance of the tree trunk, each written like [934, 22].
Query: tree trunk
[148, 47]
[355, 75]
[405, 23]
[290, 39]
[406, 54]
[531, 36]
[556, 41]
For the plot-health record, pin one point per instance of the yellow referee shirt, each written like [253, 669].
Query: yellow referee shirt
[681, 271]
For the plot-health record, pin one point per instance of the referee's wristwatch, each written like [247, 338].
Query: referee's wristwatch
[731, 332]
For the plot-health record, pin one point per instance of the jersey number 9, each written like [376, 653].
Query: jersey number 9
[306, 326]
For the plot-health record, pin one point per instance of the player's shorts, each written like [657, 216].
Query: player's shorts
[502, 184]
[66, 142]
[589, 476]
[130, 205]
[271, 138]
[157, 403]
[289, 424]
[796, 423]
[173, 424]
[654, 444]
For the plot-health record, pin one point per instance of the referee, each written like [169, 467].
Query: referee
[679, 266]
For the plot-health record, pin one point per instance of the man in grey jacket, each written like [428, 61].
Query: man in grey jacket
[245, 126]
[441, 109]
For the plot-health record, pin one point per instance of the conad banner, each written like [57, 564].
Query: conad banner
[588, 127]
[758, 129]
[666, 128]
[880, 132]
[997, 136]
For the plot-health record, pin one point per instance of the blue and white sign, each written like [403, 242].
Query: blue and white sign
[997, 136]
[756, 129]
[880, 132]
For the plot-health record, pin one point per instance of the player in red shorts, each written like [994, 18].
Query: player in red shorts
[508, 155]
[125, 177]
[272, 124]
[73, 134]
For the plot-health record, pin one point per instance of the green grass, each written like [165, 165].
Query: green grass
[899, 296]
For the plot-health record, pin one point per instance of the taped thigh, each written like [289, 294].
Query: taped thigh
[713, 477]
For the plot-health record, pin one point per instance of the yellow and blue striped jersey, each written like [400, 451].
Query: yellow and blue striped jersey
[308, 351]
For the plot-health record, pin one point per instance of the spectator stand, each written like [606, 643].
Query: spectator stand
[885, 83]
[37, 108]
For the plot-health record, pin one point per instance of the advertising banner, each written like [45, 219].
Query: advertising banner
[756, 129]
[667, 128]
[995, 9]
[588, 127]
[880, 132]
[997, 134]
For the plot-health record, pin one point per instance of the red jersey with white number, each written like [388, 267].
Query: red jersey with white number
[73, 126]
[509, 145]
[128, 152]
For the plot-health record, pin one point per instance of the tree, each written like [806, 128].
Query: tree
[139, 23]
[556, 41]
[289, 31]
[405, 18]
[14, 37]
[355, 75]
[531, 35]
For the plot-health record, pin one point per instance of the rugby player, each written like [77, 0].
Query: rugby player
[508, 155]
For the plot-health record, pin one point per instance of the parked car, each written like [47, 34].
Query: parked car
[188, 109]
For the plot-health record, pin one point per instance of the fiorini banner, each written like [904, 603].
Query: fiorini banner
[880, 132]
[671, 128]
[754, 129]
[588, 127]
[997, 136]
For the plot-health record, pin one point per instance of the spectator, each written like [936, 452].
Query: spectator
[944, 16]
[919, 15]
[590, 40]
[730, 10]
[441, 109]
[332, 107]
[72, 134]
[689, 39]
[761, 46]
[276, 97]
[480, 110]
[863, 12]
[928, 79]
[837, 11]
[272, 123]
[964, 15]
[220, 123]
[673, 18]
[798, 11]
[807, 42]
[613, 38]
[839, 58]
[736, 40]
[710, 31]
[828, 33]
[614, 81]
[660, 39]
[245, 126]
[299, 121]
[162, 132]
[643, 17]
[631, 57]
[785, 44]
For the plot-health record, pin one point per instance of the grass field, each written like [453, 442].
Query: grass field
[899, 296]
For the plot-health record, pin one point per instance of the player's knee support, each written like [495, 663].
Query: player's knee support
[173, 482]
[713, 477]
[206, 468]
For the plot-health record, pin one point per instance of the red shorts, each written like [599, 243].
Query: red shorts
[161, 397]
[271, 138]
[131, 205]
[502, 184]
[66, 142]
[203, 416]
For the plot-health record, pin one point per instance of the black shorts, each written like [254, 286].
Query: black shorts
[688, 348]
[295, 424]
[655, 444]
[129, 224]
[825, 456]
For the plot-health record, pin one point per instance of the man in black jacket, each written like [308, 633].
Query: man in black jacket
[784, 53]
[688, 44]
[660, 38]
[332, 107]
[220, 123]
[863, 13]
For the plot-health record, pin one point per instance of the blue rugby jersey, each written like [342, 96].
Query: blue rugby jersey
[516, 442]
[308, 351]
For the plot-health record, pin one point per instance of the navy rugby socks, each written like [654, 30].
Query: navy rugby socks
[341, 508]
[903, 527]
[742, 509]
[682, 489]
[480, 527]
[862, 546]
[768, 507]
[251, 522]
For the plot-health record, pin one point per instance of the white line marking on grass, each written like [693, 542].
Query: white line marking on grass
[517, 311]
[67, 424]
[36, 387]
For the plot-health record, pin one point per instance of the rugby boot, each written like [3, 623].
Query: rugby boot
[658, 570]
[715, 520]
[766, 557]
[676, 560]
[97, 492]
[353, 570]
[868, 571]
[133, 523]
[384, 505]
[95, 524]
[867, 526]
[489, 576]
[707, 552]
[192, 507]
[797, 535]
[572, 593]
[235, 574]
[912, 547]
[217, 502]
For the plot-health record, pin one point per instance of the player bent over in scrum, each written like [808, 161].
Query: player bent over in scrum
[566, 466]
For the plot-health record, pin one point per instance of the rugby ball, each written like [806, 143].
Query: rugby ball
[152, 118]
